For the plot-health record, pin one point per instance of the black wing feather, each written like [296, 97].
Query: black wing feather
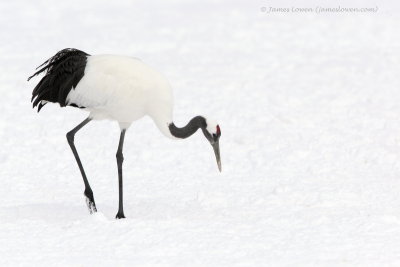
[63, 72]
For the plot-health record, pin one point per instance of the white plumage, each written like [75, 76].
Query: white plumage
[124, 89]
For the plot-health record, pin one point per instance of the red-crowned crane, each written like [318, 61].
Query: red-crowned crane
[118, 88]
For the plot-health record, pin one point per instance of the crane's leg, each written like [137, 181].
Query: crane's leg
[88, 191]
[120, 159]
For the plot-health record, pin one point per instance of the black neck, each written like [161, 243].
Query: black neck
[186, 131]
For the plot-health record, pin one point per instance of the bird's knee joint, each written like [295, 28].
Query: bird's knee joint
[70, 137]
[120, 156]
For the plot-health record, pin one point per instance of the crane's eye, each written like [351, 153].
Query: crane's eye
[215, 137]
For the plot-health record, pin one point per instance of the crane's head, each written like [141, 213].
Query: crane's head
[213, 132]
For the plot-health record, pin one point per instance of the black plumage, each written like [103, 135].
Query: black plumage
[194, 124]
[63, 72]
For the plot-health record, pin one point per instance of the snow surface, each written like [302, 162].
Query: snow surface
[309, 109]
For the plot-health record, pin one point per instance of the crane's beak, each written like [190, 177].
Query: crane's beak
[215, 146]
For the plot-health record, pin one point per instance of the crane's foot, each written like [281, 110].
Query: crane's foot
[90, 201]
[120, 215]
[91, 206]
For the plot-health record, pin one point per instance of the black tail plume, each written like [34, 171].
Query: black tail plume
[63, 72]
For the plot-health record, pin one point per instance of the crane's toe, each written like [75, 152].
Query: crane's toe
[120, 215]
[90, 201]
[91, 205]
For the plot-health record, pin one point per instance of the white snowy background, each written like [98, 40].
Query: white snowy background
[309, 108]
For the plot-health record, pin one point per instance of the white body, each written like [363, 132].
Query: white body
[124, 89]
